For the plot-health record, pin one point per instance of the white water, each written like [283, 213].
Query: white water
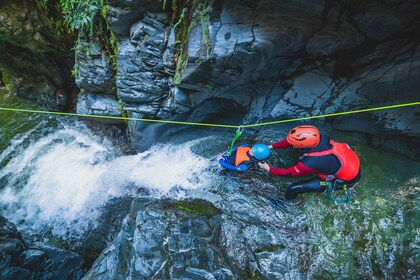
[59, 183]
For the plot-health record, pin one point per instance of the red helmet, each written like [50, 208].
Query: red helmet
[304, 137]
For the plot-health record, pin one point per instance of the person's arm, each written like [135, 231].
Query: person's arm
[280, 145]
[297, 170]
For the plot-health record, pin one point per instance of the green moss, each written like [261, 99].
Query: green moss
[198, 207]
[6, 80]
[272, 248]
[112, 43]
[204, 18]
[123, 112]
[182, 13]
[186, 14]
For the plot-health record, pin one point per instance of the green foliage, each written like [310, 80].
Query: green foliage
[41, 4]
[112, 43]
[81, 15]
[51, 9]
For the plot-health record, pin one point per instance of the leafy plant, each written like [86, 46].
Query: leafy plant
[81, 15]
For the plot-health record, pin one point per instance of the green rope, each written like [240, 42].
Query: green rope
[329, 193]
[237, 135]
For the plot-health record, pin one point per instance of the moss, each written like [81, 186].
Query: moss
[111, 39]
[182, 15]
[6, 80]
[123, 112]
[198, 207]
[272, 248]
[204, 18]
[186, 14]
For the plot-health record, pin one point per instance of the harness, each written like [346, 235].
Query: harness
[350, 165]
[329, 189]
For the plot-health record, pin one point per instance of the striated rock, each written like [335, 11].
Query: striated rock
[22, 260]
[141, 75]
[272, 59]
[122, 14]
[93, 69]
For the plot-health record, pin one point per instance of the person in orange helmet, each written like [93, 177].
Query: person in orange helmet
[329, 160]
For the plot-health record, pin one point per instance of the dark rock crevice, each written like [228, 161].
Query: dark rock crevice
[35, 56]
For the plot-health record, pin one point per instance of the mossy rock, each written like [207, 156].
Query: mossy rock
[272, 248]
[199, 207]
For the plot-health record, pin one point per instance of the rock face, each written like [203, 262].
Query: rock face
[198, 239]
[238, 62]
[96, 80]
[36, 56]
[266, 60]
[21, 260]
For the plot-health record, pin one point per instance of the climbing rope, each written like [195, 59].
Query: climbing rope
[328, 193]
[237, 135]
[213, 124]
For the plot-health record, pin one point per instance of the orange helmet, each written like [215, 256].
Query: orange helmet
[304, 137]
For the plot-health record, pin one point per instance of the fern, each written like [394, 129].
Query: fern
[81, 15]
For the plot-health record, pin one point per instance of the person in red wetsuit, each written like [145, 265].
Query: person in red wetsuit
[329, 160]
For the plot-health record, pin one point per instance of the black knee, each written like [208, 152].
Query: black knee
[310, 185]
[293, 191]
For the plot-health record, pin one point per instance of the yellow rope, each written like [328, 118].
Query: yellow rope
[214, 124]
[337, 114]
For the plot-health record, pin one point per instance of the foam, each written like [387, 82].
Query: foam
[61, 182]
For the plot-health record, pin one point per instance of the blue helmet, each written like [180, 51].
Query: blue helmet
[261, 151]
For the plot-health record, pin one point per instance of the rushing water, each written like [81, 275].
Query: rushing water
[57, 177]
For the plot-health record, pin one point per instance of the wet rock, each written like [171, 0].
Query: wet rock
[379, 22]
[209, 235]
[122, 14]
[274, 60]
[166, 239]
[98, 104]
[20, 259]
[141, 75]
[94, 72]
[337, 37]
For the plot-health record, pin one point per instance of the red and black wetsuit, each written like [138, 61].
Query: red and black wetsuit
[318, 160]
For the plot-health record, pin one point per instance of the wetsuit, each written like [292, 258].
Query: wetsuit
[318, 161]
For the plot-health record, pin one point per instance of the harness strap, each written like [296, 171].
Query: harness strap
[237, 135]
[328, 193]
